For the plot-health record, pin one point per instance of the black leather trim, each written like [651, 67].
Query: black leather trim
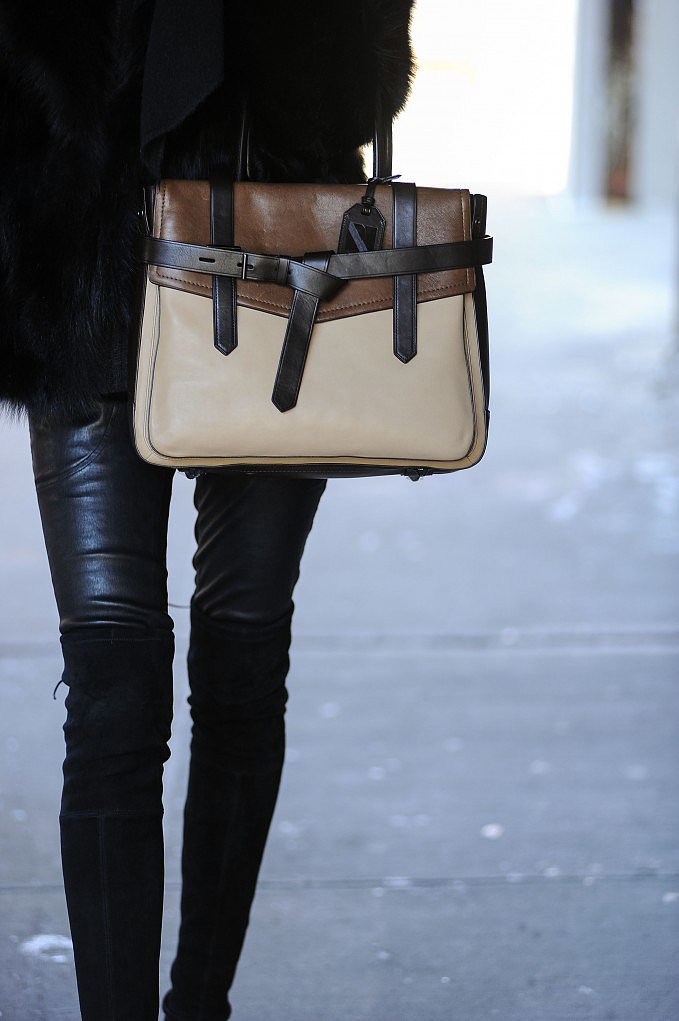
[297, 339]
[405, 286]
[224, 296]
[137, 319]
[328, 470]
[479, 205]
[282, 269]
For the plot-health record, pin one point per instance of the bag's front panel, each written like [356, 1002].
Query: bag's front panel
[144, 396]
[356, 398]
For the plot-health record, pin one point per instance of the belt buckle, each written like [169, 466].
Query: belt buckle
[271, 268]
[244, 266]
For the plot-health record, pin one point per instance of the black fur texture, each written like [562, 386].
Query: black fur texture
[70, 172]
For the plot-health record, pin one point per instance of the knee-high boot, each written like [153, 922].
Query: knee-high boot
[119, 715]
[237, 678]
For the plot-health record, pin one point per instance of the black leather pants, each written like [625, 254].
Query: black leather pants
[104, 514]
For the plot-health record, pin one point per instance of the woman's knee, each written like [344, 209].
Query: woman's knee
[237, 661]
[119, 713]
[238, 694]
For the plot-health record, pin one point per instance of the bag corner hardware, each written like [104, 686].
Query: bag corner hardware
[415, 474]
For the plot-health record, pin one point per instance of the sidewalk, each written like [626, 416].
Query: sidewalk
[478, 814]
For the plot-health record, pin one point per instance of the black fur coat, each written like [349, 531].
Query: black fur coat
[70, 168]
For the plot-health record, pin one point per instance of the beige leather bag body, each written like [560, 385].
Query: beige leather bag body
[319, 330]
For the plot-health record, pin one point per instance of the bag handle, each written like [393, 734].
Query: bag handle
[382, 146]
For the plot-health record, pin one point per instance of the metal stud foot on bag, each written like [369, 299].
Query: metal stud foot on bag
[415, 474]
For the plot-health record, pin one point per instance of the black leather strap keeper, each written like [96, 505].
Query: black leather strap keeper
[297, 339]
[224, 294]
[405, 287]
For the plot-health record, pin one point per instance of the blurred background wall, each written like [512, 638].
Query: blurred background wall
[575, 99]
[536, 98]
[625, 137]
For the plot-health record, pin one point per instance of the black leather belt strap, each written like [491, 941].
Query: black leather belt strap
[423, 259]
[297, 339]
[405, 286]
[224, 297]
[282, 269]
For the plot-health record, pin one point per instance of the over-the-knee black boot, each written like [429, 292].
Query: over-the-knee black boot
[237, 677]
[117, 727]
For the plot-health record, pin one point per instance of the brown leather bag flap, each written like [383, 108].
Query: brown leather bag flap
[291, 219]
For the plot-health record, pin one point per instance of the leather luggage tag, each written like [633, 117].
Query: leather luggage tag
[362, 229]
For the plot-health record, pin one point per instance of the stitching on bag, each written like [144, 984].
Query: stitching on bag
[182, 280]
[162, 210]
[170, 276]
[336, 308]
[470, 381]
[269, 468]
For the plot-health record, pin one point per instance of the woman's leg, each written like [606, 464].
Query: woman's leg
[250, 532]
[104, 516]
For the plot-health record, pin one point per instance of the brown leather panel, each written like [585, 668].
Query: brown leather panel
[292, 219]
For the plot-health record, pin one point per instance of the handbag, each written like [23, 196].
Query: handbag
[318, 330]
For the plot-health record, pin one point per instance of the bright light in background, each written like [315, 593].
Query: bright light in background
[491, 106]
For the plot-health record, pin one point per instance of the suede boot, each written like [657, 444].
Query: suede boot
[237, 678]
[119, 715]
